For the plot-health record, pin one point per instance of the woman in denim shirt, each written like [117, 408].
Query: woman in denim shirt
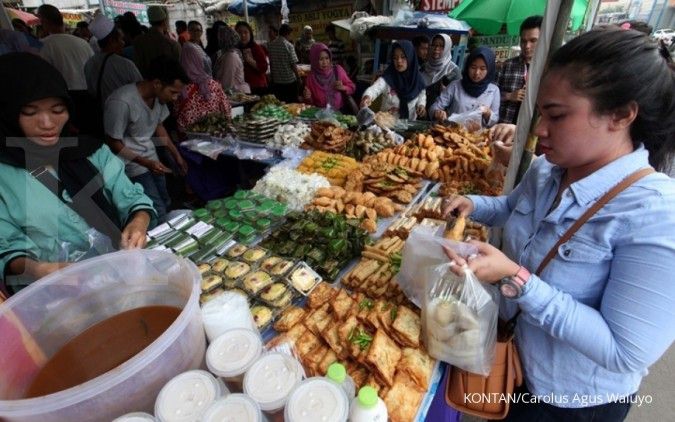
[603, 310]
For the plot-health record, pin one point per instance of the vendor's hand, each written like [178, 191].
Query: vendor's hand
[182, 165]
[134, 234]
[156, 167]
[489, 265]
[516, 96]
[366, 102]
[502, 152]
[458, 203]
[440, 115]
[486, 112]
[421, 110]
[307, 94]
[340, 86]
[42, 269]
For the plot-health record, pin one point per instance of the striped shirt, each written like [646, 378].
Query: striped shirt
[282, 58]
[511, 77]
[337, 50]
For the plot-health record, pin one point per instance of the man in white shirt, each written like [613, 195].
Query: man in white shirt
[65, 52]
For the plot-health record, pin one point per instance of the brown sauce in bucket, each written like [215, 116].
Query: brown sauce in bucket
[102, 348]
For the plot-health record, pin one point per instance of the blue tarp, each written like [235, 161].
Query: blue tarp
[254, 6]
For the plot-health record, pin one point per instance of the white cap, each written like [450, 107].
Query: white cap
[101, 26]
[317, 399]
[233, 408]
[187, 396]
[233, 352]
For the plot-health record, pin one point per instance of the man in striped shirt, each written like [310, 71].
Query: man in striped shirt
[336, 46]
[283, 66]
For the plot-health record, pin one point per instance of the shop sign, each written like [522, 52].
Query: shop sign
[71, 19]
[437, 5]
[500, 44]
[114, 8]
[318, 20]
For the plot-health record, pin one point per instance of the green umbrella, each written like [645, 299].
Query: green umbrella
[488, 16]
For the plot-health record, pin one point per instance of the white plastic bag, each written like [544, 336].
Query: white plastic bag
[471, 120]
[423, 250]
[459, 319]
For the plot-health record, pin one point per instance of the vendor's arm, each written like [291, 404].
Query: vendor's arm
[378, 88]
[347, 83]
[442, 103]
[421, 104]
[164, 139]
[134, 233]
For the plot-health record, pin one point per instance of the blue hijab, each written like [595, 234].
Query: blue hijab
[475, 89]
[408, 84]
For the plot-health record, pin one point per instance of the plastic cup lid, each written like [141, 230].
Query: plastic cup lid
[136, 417]
[233, 352]
[317, 400]
[233, 408]
[367, 396]
[187, 395]
[270, 380]
[337, 372]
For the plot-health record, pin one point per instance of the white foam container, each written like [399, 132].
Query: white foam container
[232, 354]
[317, 400]
[136, 417]
[234, 408]
[186, 397]
[271, 379]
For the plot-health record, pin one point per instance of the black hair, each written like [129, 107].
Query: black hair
[130, 26]
[50, 14]
[285, 29]
[181, 26]
[615, 68]
[330, 28]
[273, 28]
[193, 23]
[531, 22]
[247, 26]
[167, 70]
[420, 39]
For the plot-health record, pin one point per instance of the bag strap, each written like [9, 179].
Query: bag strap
[100, 77]
[611, 194]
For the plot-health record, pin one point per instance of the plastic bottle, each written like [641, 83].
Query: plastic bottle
[368, 407]
[338, 374]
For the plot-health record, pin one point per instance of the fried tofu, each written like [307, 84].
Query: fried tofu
[306, 344]
[341, 304]
[403, 399]
[386, 314]
[295, 333]
[321, 294]
[317, 321]
[383, 356]
[313, 360]
[332, 337]
[289, 318]
[407, 327]
[418, 365]
[359, 374]
[328, 359]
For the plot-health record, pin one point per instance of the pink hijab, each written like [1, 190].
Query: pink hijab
[192, 60]
[324, 79]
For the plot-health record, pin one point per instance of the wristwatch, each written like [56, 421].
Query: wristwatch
[512, 287]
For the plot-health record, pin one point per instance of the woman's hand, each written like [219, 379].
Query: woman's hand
[155, 166]
[306, 94]
[440, 115]
[503, 132]
[339, 86]
[182, 165]
[461, 204]
[486, 112]
[490, 265]
[421, 110]
[32, 268]
[134, 233]
[366, 102]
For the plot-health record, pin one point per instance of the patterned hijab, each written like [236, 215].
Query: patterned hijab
[475, 89]
[407, 84]
[324, 78]
[192, 59]
[228, 39]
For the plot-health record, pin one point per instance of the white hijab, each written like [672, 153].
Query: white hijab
[434, 70]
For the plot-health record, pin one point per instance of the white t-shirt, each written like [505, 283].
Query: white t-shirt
[128, 118]
[68, 54]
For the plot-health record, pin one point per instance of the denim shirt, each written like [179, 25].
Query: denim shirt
[603, 310]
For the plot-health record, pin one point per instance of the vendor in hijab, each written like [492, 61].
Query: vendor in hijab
[327, 83]
[439, 70]
[474, 92]
[304, 44]
[402, 85]
[229, 68]
[203, 95]
[56, 190]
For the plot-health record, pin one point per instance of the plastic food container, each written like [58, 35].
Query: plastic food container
[317, 399]
[232, 354]
[39, 320]
[225, 312]
[234, 408]
[186, 397]
[271, 379]
[136, 417]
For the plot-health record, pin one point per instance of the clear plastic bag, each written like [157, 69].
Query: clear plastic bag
[459, 319]
[424, 250]
[471, 120]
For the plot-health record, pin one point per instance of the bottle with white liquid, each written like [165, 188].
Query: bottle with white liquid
[338, 374]
[368, 407]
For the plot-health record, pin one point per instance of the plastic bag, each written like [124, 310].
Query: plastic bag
[471, 120]
[422, 251]
[459, 319]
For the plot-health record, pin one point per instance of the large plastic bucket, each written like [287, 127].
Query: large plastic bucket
[39, 320]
